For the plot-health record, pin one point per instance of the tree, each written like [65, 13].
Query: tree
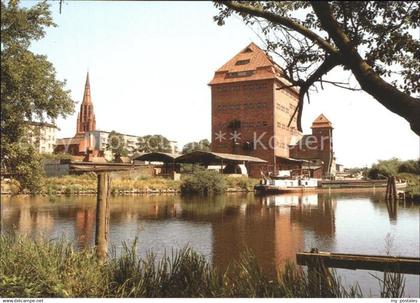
[29, 89]
[410, 166]
[202, 145]
[154, 143]
[391, 167]
[116, 144]
[376, 40]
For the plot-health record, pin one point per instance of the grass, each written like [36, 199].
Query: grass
[87, 183]
[55, 269]
[242, 182]
[203, 181]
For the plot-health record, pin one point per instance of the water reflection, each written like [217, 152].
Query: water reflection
[222, 227]
[84, 226]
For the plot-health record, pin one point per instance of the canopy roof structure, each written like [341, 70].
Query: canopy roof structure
[157, 157]
[211, 158]
[202, 157]
[292, 160]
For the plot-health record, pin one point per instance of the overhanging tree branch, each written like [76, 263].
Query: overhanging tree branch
[277, 19]
[393, 99]
[329, 63]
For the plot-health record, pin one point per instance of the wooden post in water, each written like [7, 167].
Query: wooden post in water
[394, 188]
[391, 196]
[102, 215]
[320, 279]
[1, 215]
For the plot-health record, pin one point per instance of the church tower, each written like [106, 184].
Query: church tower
[86, 121]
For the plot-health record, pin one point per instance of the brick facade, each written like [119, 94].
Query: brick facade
[86, 124]
[86, 120]
[247, 99]
[251, 111]
[318, 146]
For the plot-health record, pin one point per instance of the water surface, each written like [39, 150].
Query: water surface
[222, 227]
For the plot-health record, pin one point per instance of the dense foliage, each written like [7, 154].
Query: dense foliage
[29, 89]
[386, 168]
[154, 143]
[408, 170]
[202, 145]
[116, 145]
[56, 269]
[204, 182]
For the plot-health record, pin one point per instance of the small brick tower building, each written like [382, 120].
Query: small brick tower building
[318, 146]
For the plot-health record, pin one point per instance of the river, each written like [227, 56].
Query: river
[274, 228]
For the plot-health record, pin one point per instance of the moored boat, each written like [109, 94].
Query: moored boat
[279, 185]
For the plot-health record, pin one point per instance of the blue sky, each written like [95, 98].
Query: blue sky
[150, 62]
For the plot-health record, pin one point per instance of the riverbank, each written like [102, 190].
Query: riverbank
[55, 269]
[86, 184]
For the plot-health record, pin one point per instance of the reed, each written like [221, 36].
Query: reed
[40, 268]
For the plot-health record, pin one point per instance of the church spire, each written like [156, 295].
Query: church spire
[86, 94]
[86, 121]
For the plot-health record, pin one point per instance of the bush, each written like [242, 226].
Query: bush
[24, 164]
[204, 182]
[242, 182]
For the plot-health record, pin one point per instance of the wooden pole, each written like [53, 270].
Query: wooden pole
[102, 216]
[394, 187]
[1, 215]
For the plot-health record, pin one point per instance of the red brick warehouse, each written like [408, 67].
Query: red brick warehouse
[251, 110]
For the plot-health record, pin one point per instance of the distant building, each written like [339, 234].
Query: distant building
[339, 168]
[252, 105]
[100, 138]
[42, 136]
[317, 147]
[86, 123]
[87, 137]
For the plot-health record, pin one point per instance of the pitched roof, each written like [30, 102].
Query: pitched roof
[256, 56]
[251, 63]
[156, 157]
[321, 122]
[196, 157]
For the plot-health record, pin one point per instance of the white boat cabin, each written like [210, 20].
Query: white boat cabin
[283, 180]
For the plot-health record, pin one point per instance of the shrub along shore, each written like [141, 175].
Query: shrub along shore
[55, 269]
[199, 182]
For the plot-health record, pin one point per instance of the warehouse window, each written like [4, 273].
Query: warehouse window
[242, 62]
